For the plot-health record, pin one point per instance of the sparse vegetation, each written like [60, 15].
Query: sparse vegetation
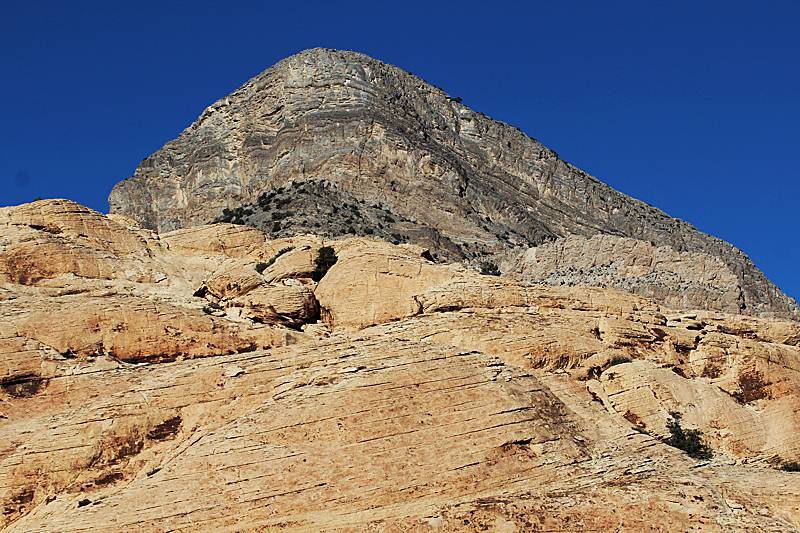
[790, 466]
[264, 200]
[489, 269]
[688, 440]
[261, 267]
[325, 260]
[617, 360]
[235, 215]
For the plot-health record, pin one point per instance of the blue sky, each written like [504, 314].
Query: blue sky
[692, 107]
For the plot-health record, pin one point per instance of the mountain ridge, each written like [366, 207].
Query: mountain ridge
[449, 178]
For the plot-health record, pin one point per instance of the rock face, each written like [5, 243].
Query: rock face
[680, 280]
[209, 397]
[337, 143]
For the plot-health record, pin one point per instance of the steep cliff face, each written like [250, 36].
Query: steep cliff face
[325, 129]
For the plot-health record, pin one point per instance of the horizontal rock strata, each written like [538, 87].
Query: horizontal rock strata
[338, 143]
[236, 393]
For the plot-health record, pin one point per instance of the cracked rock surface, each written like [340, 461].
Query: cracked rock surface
[395, 394]
[339, 144]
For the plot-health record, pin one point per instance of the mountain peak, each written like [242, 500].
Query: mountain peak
[338, 143]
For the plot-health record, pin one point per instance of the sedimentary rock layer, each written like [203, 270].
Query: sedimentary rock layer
[299, 146]
[232, 392]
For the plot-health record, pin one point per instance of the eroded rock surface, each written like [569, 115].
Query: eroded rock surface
[337, 143]
[207, 399]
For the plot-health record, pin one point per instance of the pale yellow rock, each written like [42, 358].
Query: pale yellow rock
[52, 238]
[298, 263]
[24, 359]
[441, 399]
[335, 435]
[374, 282]
[230, 240]
[74, 221]
[770, 330]
[525, 339]
[646, 394]
[129, 328]
[234, 277]
[125, 221]
[265, 301]
[624, 332]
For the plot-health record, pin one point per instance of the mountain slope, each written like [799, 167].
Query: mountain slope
[336, 142]
[182, 382]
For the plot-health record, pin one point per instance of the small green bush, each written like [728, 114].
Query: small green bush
[688, 440]
[261, 267]
[489, 269]
[325, 260]
[234, 216]
[617, 360]
[790, 466]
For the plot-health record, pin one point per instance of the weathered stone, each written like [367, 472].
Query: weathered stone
[337, 436]
[287, 301]
[646, 395]
[373, 282]
[233, 278]
[337, 143]
[129, 329]
[230, 240]
[442, 399]
[677, 279]
[52, 238]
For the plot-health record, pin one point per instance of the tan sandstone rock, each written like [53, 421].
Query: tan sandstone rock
[373, 282]
[442, 399]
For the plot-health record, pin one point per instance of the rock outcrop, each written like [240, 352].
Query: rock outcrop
[211, 397]
[680, 280]
[337, 143]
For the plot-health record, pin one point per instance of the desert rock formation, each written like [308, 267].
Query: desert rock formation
[339, 144]
[681, 280]
[200, 380]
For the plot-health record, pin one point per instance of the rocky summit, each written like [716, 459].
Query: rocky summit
[215, 379]
[338, 144]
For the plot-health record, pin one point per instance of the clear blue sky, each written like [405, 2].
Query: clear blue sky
[693, 107]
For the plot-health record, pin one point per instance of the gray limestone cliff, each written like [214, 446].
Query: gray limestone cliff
[338, 143]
